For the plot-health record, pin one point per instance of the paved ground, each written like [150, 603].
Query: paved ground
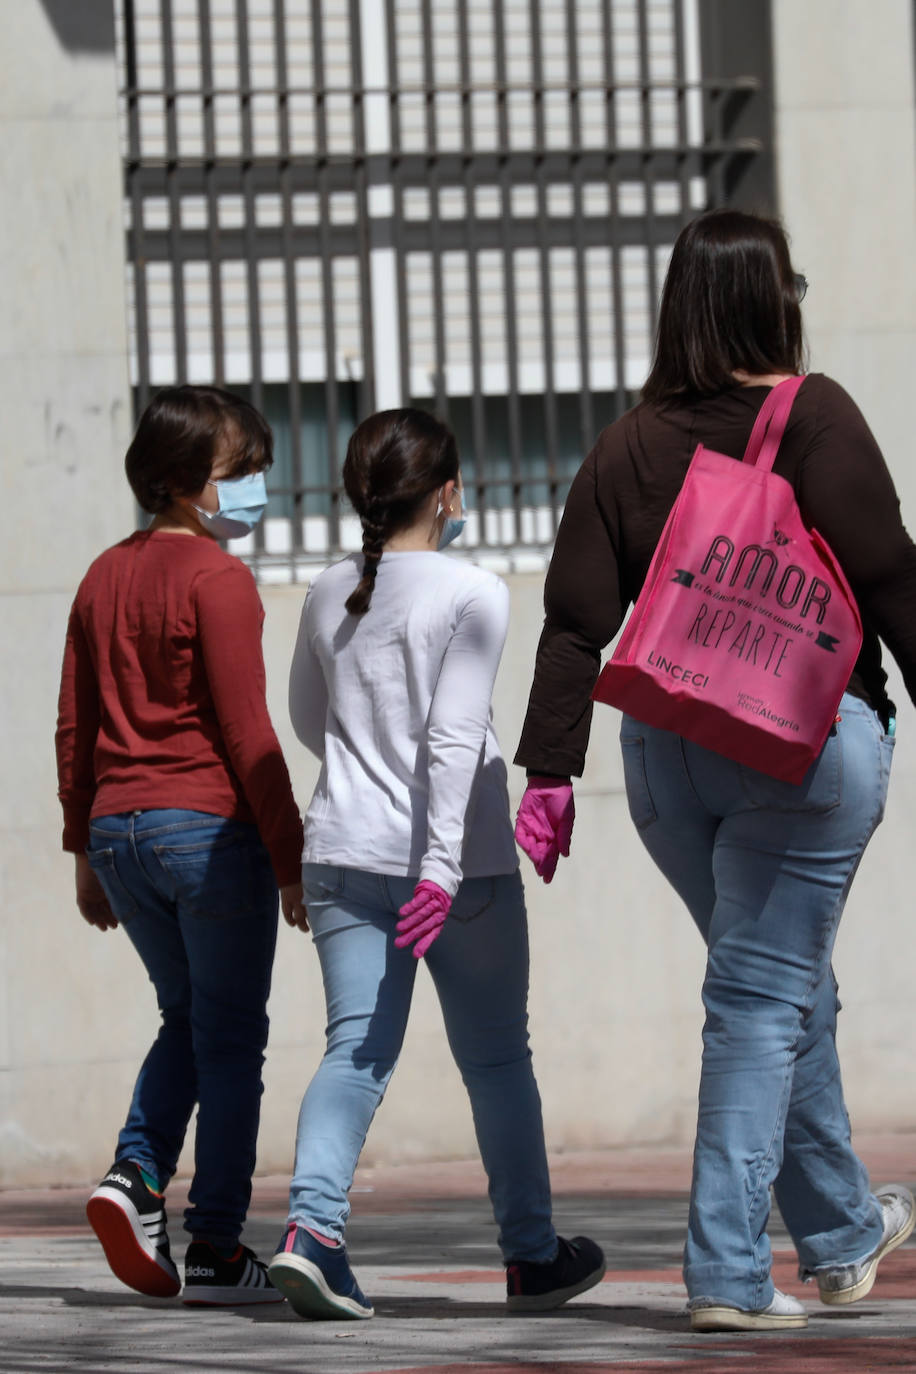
[422, 1244]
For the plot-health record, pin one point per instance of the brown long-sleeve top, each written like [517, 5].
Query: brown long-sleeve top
[162, 695]
[616, 510]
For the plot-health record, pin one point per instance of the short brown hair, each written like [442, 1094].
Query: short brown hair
[173, 449]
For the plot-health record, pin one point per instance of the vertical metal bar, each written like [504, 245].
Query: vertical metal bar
[547, 333]
[367, 323]
[217, 342]
[713, 63]
[248, 196]
[332, 400]
[135, 192]
[614, 219]
[398, 190]
[715, 175]
[648, 141]
[432, 181]
[179, 319]
[505, 191]
[586, 411]
[293, 390]
[478, 406]
[680, 73]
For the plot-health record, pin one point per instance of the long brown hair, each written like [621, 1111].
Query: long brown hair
[730, 303]
[394, 460]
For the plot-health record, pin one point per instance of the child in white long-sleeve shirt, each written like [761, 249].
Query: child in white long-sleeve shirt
[409, 852]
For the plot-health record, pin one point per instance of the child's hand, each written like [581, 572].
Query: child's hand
[422, 918]
[91, 899]
[293, 907]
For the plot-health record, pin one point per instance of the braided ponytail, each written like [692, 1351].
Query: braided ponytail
[374, 536]
[395, 460]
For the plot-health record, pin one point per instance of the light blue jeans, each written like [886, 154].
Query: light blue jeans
[196, 896]
[765, 868]
[479, 965]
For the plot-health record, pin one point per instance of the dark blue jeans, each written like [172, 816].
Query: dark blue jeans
[197, 898]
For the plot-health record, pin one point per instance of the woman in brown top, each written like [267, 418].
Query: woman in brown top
[764, 866]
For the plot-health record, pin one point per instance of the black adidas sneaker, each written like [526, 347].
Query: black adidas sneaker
[129, 1220]
[212, 1281]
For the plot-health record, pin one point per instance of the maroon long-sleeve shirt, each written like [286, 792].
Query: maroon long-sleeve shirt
[162, 699]
[616, 510]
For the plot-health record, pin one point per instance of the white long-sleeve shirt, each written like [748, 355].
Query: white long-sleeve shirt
[396, 704]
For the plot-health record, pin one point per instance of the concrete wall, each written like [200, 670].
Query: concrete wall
[65, 406]
[616, 966]
[845, 124]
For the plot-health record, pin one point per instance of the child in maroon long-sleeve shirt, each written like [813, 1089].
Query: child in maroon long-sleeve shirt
[178, 807]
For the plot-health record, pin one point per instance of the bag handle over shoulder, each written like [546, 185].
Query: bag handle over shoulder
[769, 427]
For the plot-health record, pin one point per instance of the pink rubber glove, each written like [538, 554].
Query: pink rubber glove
[422, 918]
[544, 824]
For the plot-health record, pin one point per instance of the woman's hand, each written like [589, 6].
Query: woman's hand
[293, 907]
[544, 824]
[422, 918]
[90, 897]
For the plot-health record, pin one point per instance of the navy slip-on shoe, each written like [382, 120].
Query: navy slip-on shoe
[316, 1279]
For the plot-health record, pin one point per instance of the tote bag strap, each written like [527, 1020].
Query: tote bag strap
[769, 427]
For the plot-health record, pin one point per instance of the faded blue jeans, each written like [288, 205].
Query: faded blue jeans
[765, 868]
[479, 965]
[196, 896]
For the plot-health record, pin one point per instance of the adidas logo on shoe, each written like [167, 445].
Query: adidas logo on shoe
[215, 1280]
[118, 1178]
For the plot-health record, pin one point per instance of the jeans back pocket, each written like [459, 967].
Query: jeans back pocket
[473, 898]
[639, 797]
[820, 791]
[220, 877]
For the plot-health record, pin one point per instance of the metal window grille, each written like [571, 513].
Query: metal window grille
[335, 206]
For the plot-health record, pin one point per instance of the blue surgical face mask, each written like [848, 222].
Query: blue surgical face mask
[242, 501]
[452, 525]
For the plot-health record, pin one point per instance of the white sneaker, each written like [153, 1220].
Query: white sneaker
[783, 1313]
[841, 1283]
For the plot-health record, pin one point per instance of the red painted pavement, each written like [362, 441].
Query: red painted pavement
[773, 1353]
[896, 1277]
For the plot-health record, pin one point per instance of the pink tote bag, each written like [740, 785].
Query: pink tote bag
[746, 630]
